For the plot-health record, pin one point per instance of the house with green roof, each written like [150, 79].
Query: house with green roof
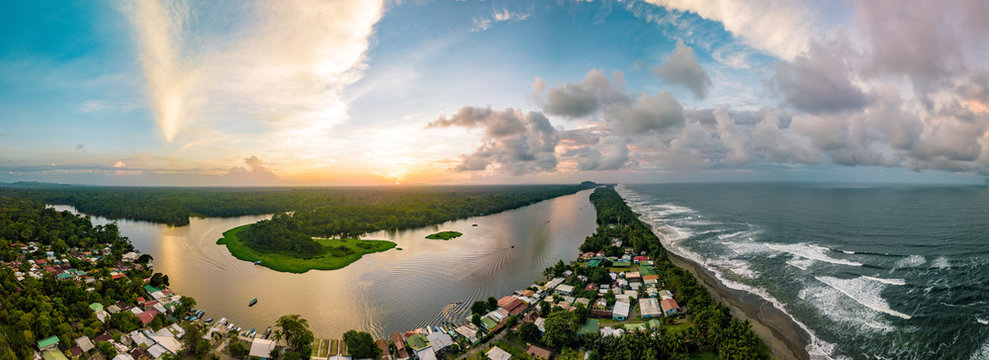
[489, 323]
[96, 307]
[646, 270]
[151, 289]
[621, 263]
[417, 342]
[65, 275]
[48, 343]
[53, 355]
[593, 263]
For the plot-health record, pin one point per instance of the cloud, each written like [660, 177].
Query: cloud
[514, 142]
[80, 147]
[820, 81]
[779, 27]
[659, 112]
[119, 164]
[610, 153]
[255, 172]
[681, 68]
[592, 94]
[503, 15]
[279, 67]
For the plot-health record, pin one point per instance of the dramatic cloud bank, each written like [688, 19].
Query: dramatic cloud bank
[279, 66]
[513, 142]
[681, 68]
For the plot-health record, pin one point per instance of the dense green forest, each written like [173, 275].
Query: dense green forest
[36, 308]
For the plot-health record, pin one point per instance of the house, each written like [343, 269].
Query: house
[620, 311]
[565, 289]
[609, 331]
[666, 294]
[398, 340]
[262, 348]
[649, 308]
[85, 344]
[439, 340]
[552, 284]
[124, 356]
[621, 264]
[540, 324]
[496, 353]
[96, 307]
[640, 259]
[538, 352]
[48, 343]
[489, 323]
[147, 316]
[383, 345]
[417, 342]
[593, 263]
[600, 313]
[670, 307]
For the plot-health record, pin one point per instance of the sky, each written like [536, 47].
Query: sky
[363, 92]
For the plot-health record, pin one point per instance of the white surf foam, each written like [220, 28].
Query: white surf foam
[982, 353]
[910, 261]
[864, 292]
[812, 252]
[887, 281]
[941, 263]
[982, 321]
[831, 304]
[800, 263]
[817, 348]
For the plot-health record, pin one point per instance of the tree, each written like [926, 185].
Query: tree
[238, 349]
[144, 259]
[479, 307]
[193, 343]
[361, 345]
[106, 349]
[492, 303]
[476, 320]
[561, 330]
[296, 331]
[530, 332]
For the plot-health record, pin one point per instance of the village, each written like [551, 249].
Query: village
[617, 294]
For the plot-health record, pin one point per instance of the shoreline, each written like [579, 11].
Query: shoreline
[785, 338]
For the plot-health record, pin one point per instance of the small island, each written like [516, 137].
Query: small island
[444, 235]
[338, 253]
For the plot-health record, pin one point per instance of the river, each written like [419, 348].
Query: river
[396, 290]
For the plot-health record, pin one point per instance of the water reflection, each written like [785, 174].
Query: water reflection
[383, 292]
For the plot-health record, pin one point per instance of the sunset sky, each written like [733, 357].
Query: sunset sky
[348, 92]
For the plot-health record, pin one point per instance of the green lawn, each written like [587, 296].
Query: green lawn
[444, 235]
[289, 263]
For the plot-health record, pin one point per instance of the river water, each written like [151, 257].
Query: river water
[396, 290]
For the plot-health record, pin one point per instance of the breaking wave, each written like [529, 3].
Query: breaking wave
[811, 252]
[864, 292]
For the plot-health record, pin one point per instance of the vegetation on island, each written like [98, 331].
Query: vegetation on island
[444, 235]
[331, 254]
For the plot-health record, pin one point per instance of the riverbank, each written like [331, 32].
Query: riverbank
[785, 338]
[355, 249]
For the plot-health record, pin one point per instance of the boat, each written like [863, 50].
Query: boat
[209, 320]
[251, 334]
[257, 262]
[253, 301]
[201, 313]
[473, 224]
[461, 301]
[267, 332]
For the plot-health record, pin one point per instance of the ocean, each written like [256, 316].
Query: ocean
[870, 271]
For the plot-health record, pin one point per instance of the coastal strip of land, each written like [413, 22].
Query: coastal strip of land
[350, 250]
[784, 337]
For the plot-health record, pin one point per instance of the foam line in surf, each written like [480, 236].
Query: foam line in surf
[864, 292]
[810, 252]
[887, 281]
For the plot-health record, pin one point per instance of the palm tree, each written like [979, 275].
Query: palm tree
[276, 335]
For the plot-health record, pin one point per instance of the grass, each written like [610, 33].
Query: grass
[444, 235]
[288, 263]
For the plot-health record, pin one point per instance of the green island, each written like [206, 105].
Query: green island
[338, 254]
[444, 235]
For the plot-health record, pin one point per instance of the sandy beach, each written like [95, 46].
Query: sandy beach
[785, 338]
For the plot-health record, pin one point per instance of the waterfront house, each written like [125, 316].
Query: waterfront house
[496, 353]
[649, 308]
[383, 345]
[439, 341]
[261, 348]
[670, 307]
[620, 311]
[666, 294]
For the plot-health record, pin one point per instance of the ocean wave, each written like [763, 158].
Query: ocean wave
[812, 252]
[864, 292]
[816, 347]
[941, 263]
[829, 302]
[887, 281]
[800, 263]
[982, 321]
[910, 261]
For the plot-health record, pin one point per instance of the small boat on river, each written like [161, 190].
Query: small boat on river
[253, 301]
